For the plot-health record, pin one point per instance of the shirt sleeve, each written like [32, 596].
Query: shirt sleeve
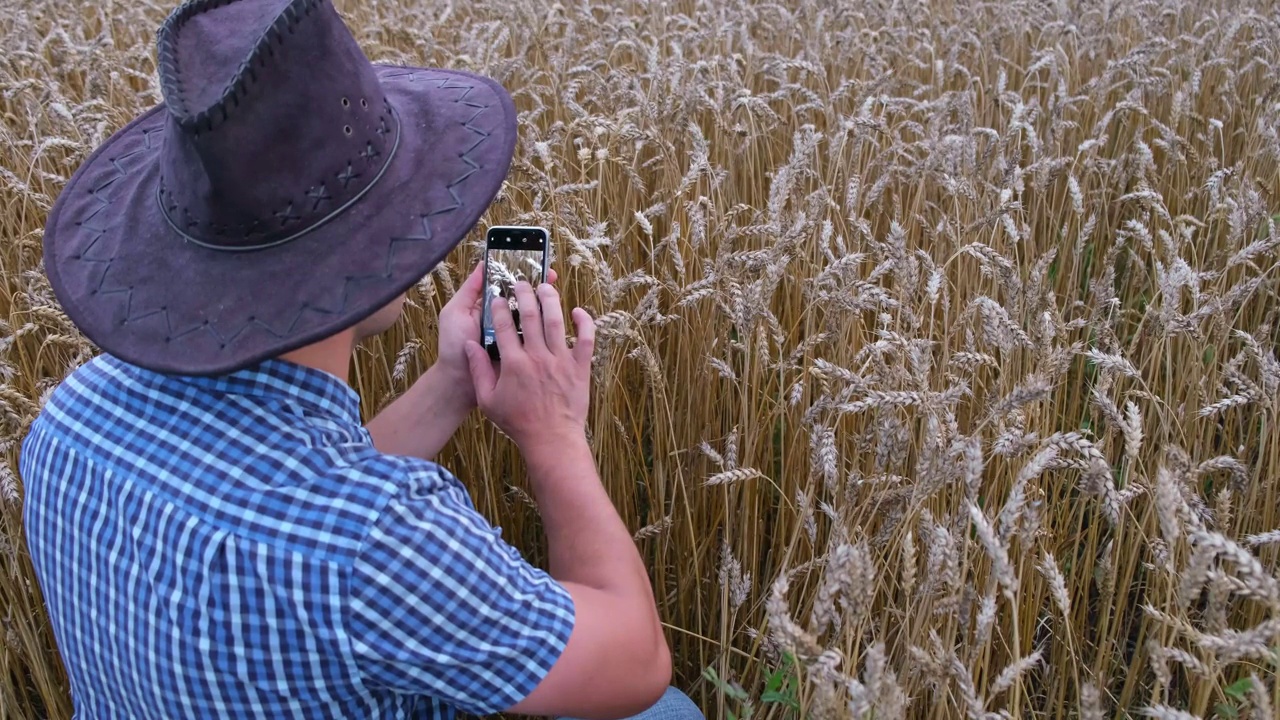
[441, 606]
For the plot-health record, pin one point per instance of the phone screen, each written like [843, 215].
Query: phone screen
[511, 255]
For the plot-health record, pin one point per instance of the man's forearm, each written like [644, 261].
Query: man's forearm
[421, 421]
[617, 662]
[587, 541]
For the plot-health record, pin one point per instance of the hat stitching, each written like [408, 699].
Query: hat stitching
[171, 83]
[104, 203]
[224, 340]
[346, 176]
[320, 194]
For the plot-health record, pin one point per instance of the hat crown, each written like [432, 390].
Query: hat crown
[276, 121]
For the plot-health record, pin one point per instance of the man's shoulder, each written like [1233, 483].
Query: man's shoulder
[240, 463]
[412, 484]
[347, 492]
[86, 393]
[412, 477]
[87, 382]
[103, 384]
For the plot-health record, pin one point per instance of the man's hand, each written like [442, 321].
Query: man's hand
[541, 390]
[459, 325]
[422, 420]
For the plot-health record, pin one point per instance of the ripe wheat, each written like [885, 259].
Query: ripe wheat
[937, 342]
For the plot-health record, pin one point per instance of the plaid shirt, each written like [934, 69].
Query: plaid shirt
[235, 547]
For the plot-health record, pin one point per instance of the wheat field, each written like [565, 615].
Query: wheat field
[937, 369]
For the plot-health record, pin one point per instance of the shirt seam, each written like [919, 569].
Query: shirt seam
[348, 586]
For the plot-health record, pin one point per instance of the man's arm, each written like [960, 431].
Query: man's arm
[421, 421]
[616, 662]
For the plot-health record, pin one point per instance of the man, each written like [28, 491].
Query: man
[215, 532]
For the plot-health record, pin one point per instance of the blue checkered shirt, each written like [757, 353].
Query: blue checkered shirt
[235, 547]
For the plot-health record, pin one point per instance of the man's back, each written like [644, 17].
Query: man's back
[236, 547]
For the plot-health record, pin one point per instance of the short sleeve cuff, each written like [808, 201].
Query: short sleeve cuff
[538, 662]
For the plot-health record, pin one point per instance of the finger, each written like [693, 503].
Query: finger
[585, 341]
[552, 276]
[530, 316]
[504, 328]
[473, 287]
[483, 377]
[552, 319]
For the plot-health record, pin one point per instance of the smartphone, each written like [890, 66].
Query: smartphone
[511, 253]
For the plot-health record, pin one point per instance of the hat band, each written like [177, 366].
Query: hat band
[395, 145]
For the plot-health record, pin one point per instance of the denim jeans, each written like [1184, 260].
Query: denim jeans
[673, 705]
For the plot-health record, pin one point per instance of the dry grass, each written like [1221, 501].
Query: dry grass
[938, 345]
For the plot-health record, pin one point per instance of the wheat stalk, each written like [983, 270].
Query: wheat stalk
[931, 301]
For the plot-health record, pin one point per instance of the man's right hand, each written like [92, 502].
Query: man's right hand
[540, 391]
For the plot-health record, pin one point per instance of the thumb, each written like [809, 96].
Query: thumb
[472, 287]
[482, 375]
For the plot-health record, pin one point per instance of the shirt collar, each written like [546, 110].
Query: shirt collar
[277, 379]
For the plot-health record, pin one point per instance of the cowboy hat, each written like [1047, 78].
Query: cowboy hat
[285, 189]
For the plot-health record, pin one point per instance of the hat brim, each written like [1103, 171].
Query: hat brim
[143, 293]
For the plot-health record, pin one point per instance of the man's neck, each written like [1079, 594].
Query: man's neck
[331, 355]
